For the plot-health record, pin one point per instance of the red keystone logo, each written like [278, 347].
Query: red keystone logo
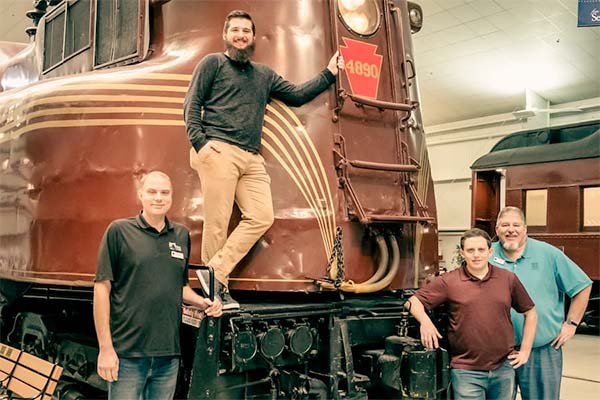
[363, 67]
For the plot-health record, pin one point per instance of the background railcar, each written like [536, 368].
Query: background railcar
[553, 174]
[95, 101]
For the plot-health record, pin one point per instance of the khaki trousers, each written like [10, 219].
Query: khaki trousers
[227, 174]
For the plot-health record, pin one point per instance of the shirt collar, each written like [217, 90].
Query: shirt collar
[143, 224]
[465, 275]
[237, 63]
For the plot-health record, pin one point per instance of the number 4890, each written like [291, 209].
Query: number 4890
[362, 69]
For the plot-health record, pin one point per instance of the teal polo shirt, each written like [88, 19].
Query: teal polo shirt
[547, 274]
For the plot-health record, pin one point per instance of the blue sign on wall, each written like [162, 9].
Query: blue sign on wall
[588, 13]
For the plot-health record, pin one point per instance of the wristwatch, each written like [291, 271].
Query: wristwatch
[571, 322]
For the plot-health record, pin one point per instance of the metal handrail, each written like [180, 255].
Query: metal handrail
[383, 166]
[384, 105]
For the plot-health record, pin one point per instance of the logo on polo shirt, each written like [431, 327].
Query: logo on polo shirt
[175, 250]
[534, 265]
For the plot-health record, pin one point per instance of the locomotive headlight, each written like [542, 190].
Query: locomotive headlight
[351, 5]
[300, 340]
[272, 342]
[415, 16]
[358, 22]
[244, 346]
[360, 16]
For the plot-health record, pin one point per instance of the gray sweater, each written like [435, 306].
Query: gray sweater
[226, 100]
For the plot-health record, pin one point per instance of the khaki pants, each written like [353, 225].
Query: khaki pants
[227, 174]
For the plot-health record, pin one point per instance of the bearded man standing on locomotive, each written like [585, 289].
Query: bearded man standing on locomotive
[547, 274]
[224, 111]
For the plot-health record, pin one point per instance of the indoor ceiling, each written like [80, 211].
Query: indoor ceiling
[474, 58]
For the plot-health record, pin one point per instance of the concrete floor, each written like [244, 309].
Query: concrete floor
[581, 375]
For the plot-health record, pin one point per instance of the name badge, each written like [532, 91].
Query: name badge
[177, 254]
[499, 260]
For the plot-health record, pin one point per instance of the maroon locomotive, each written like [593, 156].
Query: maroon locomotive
[95, 101]
[553, 174]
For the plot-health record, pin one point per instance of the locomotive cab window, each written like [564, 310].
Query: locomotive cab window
[536, 207]
[591, 211]
[121, 32]
[66, 32]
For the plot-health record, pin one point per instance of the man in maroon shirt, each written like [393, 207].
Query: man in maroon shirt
[480, 332]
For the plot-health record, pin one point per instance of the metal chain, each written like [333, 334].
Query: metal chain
[337, 254]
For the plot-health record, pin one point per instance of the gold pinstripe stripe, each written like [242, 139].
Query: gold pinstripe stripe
[90, 122]
[114, 98]
[314, 195]
[426, 176]
[116, 86]
[308, 140]
[418, 227]
[97, 110]
[326, 242]
[325, 218]
[133, 74]
[21, 272]
[22, 110]
[329, 218]
[329, 228]
[164, 76]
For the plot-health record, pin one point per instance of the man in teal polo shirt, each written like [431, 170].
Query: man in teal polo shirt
[547, 274]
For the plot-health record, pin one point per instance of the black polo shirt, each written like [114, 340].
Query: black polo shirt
[148, 270]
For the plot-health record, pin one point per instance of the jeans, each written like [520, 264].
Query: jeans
[148, 378]
[540, 377]
[495, 384]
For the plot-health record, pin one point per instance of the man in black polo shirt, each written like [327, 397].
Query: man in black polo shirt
[141, 281]
[481, 337]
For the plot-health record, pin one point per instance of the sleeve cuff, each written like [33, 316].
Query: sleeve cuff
[329, 76]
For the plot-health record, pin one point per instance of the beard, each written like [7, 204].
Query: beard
[240, 55]
[510, 246]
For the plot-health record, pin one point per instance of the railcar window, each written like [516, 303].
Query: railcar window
[116, 31]
[591, 210]
[66, 32]
[536, 207]
[78, 27]
[53, 40]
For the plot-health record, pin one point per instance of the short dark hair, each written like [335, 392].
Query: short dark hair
[475, 232]
[238, 14]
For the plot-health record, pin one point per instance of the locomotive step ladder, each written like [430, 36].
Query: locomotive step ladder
[407, 171]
